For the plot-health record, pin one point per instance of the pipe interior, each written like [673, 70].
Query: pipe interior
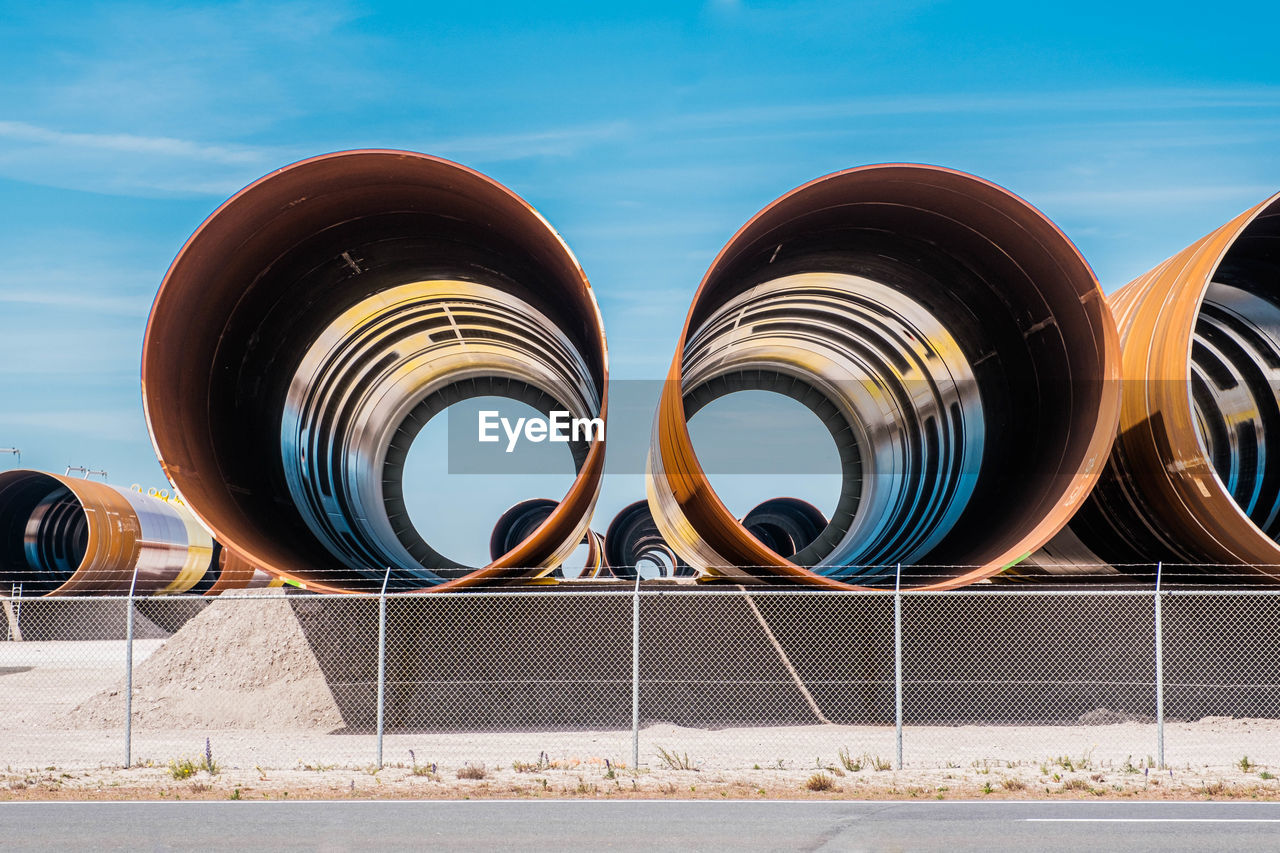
[261, 280]
[376, 375]
[1234, 372]
[44, 533]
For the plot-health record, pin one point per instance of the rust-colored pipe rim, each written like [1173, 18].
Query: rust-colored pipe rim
[62, 535]
[697, 522]
[1162, 497]
[204, 307]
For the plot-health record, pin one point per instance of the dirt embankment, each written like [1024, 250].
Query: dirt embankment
[202, 677]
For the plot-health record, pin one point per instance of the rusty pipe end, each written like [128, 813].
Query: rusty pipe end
[1018, 358]
[358, 250]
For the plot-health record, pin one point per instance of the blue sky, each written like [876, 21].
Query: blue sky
[645, 134]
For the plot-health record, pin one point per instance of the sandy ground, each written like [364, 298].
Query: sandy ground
[593, 778]
[44, 755]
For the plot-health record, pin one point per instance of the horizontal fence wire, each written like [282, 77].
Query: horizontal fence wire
[724, 676]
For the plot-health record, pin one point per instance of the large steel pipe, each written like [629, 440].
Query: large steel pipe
[518, 523]
[318, 319]
[633, 542]
[233, 573]
[785, 525]
[952, 340]
[66, 536]
[1194, 476]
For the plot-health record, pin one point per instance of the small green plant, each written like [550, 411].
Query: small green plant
[210, 766]
[544, 762]
[820, 782]
[1212, 789]
[608, 770]
[185, 768]
[182, 768]
[317, 767]
[235, 795]
[471, 771]
[878, 763]
[987, 788]
[678, 761]
[428, 770]
[1245, 765]
[830, 768]
[1265, 775]
[848, 762]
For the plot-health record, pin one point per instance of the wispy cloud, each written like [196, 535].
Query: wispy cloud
[127, 164]
[125, 143]
[1119, 100]
[71, 300]
[519, 145]
[1154, 197]
[100, 424]
[73, 349]
[130, 164]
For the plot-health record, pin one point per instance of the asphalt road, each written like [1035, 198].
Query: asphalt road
[595, 825]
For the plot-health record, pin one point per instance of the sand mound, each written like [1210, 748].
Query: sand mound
[237, 665]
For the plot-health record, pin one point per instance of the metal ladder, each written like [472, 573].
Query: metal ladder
[13, 614]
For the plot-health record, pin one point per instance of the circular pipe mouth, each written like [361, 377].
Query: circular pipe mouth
[1195, 475]
[518, 523]
[889, 382]
[57, 535]
[953, 341]
[633, 542]
[63, 536]
[377, 375]
[786, 526]
[1235, 370]
[312, 326]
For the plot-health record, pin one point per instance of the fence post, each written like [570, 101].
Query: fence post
[635, 677]
[382, 661]
[128, 671]
[897, 661]
[1159, 667]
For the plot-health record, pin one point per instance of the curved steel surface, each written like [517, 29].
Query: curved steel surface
[234, 573]
[518, 523]
[633, 539]
[950, 337]
[785, 525]
[66, 536]
[1194, 476]
[319, 318]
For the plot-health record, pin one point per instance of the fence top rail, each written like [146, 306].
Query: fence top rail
[685, 591]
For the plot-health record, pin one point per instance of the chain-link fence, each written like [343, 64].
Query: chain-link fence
[659, 674]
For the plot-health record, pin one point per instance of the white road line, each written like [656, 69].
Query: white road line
[1150, 820]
